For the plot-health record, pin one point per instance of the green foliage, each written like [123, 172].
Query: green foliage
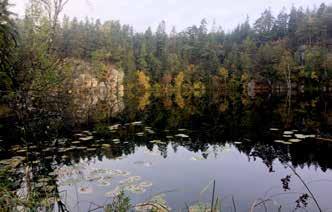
[8, 41]
[256, 50]
[121, 203]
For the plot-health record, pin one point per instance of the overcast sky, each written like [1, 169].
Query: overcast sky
[179, 13]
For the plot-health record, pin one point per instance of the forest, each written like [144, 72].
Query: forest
[40, 50]
[96, 115]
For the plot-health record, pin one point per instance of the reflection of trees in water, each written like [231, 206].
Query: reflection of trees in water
[211, 120]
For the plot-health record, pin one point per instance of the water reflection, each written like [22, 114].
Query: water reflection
[127, 132]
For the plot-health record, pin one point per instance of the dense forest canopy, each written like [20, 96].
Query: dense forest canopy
[292, 47]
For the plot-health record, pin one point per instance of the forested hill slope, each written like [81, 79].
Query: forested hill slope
[290, 49]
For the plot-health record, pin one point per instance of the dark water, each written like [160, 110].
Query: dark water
[85, 149]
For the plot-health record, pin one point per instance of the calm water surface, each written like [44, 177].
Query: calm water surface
[85, 150]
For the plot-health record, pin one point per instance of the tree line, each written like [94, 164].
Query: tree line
[293, 47]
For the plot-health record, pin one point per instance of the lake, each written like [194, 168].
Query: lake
[264, 152]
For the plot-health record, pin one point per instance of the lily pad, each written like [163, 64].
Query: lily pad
[86, 132]
[197, 158]
[288, 132]
[140, 134]
[91, 149]
[114, 127]
[106, 145]
[103, 182]
[88, 138]
[130, 180]
[136, 189]
[118, 172]
[150, 131]
[157, 142]
[295, 140]
[274, 129]
[182, 136]
[145, 184]
[136, 123]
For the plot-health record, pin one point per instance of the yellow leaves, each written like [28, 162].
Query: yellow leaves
[179, 100]
[179, 79]
[245, 77]
[143, 80]
[144, 100]
[223, 72]
[198, 85]
[314, 75]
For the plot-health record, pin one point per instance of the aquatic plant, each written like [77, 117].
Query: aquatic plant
[120, 203]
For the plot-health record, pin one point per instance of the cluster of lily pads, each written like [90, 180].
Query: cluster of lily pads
[291, 136]
[69, 175]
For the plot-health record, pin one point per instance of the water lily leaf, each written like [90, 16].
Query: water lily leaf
[150, 131]
[106, 145]
[91, 149]
[282, 142]
[288, 132]
[108, 177]
[182, 136]
[286, 136]
[237, 142]
[157, 142]
[136, 123]
[79, 135]
[88, 138]
[130, 180]
[301, 136]
[182, 130]
[140, 134]
[136, 189]
[145, 184]
[69, 149]
[274, 129]
[197, 158]
[86, 132]
[295, 140]
[76, 142]
[103, 182]
[114, 127]
[118, 172]
[92, 177]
